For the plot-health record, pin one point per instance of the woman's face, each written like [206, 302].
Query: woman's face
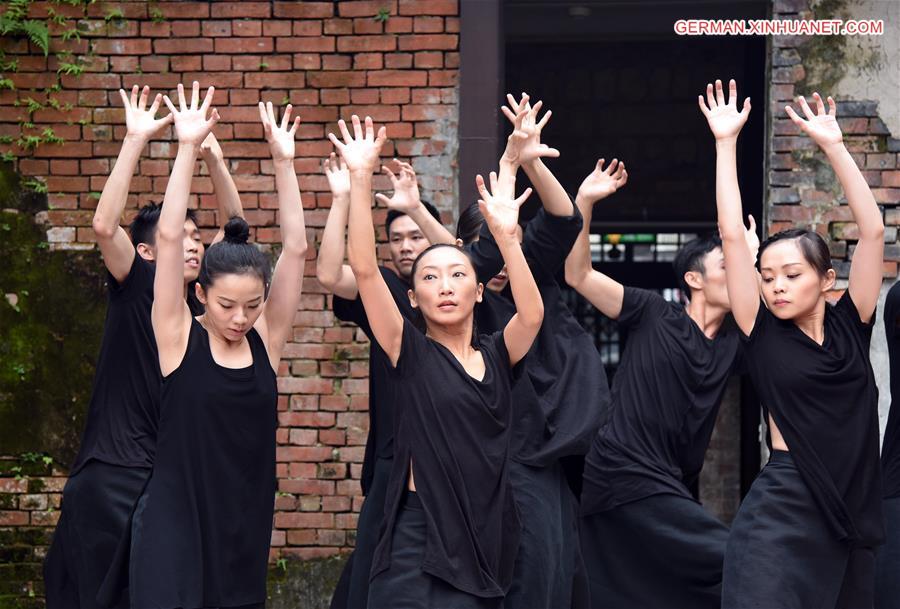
[233, 303]
[791, 287]
[445, 287]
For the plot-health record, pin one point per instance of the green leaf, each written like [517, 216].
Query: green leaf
[383, 15]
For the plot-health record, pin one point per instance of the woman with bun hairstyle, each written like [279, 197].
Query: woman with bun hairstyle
[805, 533]
[201, 531]
[450, 533]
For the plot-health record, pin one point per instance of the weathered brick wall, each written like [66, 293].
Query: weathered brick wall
[395, 60]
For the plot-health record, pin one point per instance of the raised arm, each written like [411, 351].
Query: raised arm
[361, 153]
[277, 319]
[604, 292]
[524, 148]
[171, 316]
[865, 268]
[227, 195]
[406, 200]
[500, 209]
[726, 122]
[115, 246]
[332, 273]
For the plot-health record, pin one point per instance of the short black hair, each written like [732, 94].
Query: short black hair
[233, 255]
[469, 223]
[394, 214]
[811, 244]
[143, 226]
[690, 258]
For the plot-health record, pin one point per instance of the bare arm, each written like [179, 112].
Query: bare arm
[115, 246]
[726, 122]
[406, 200]
[865, 268]
[524, 148]
[361, 152]
[227, 195]
[171, 316]
[604, 292]
[501, 213]
[277, 319]
[332, 273]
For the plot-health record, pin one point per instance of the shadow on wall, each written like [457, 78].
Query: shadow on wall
[51, 321]
[303, 583]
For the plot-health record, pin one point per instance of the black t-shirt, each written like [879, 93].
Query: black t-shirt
[379, 442]
[123, 413]
[890, 449]
[562, 392]
[824, 401]
[665, 398]
[455, 431]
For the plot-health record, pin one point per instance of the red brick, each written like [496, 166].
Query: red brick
[179, 46]
[274, 79]
[324, 44]
[398, 25]
[337, 62]
[13, 518]
[429, 7]
[298, 520]
[241, 9]
[417, 42]
[338, 26]
[398, 61]
[365, 8]
[244, 45]
[336, 79]
[308, 28]
[429, 59]
[428, 25]
[184, 29]
[216, 28]
[397, 78]
[365, 25]
[122, 46]
[357, 44]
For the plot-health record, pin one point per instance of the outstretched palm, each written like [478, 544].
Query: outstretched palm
[406, 191]
[724, 119]
[524, 143]
[822, 127]
[191, 124]
[499, 207]
[337, 174]
[361, 151]
[601, 182]
[140, 121]
[280, 138]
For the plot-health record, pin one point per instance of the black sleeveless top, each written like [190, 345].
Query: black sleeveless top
[202, 528]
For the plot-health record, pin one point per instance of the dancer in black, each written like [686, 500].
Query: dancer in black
[646, 541]
[119, 438]
[805, 533]
[202, 527]
[411, 226]
[450, 531]
[887, 574]
[562, 391]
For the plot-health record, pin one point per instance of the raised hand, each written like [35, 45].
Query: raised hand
[338, 176]
[210, 147]
[142, 122]
[191, 124]
[822, 127]
[601, 182]
[724, 120]
[524, 143]
[361, 152]
[750, 235]
[499, 207]
[280, 137]
[406, 191]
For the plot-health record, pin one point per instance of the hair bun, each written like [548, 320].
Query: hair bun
[237, 230]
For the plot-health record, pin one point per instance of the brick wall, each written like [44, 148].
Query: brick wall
[395, 60]
[802, 188]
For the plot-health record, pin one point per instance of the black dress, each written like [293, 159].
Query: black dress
[824, 401]
[558, 401]
[353, 588]
[646, 541]
[887, 580]
[117, 448]
[202, 528]
[455, 430]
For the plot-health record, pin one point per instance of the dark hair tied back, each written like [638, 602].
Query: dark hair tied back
[234, 256]
[237, 230]
[812, 246]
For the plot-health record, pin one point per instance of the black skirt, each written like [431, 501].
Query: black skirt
[97, 504]
[404, 585]
[352, 591]
[660, 551]
[887, 567]
[549, 559]
[782, 553]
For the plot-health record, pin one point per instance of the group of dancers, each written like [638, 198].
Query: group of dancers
[482, 385]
